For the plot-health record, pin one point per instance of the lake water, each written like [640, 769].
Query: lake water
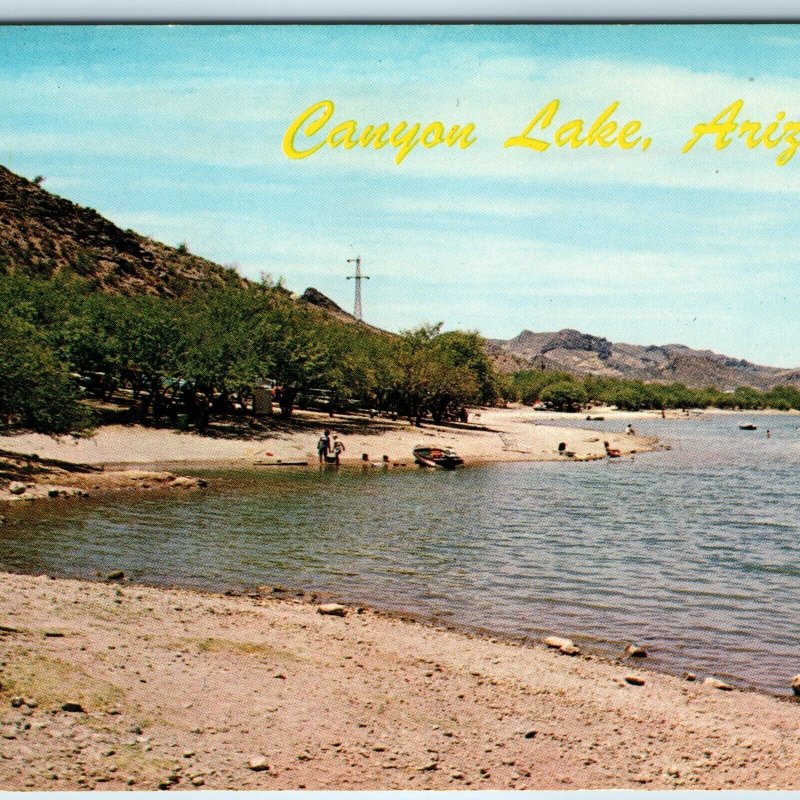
[694, 552]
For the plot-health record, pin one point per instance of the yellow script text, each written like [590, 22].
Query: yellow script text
[603, 131]
[310, 132]
[725, 124]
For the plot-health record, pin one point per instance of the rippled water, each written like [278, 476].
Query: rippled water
[694, 552]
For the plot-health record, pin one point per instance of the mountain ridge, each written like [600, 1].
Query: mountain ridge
[585, 354]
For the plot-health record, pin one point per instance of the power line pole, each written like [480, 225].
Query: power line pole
[358, 277]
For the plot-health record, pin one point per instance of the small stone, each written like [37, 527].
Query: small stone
[634, 680]
[15, 487]
[715, 683]
[557, 642]
[570, 650]
[31, 703]
[689, 676]
[188, 753]
[332, 609]
[635, 651]
[73, 707]
[16, 702]
[258, 764]
[530, 734]
[672, 771]
[796, 685]
[53, 492]
[198, 781]
[115, 575]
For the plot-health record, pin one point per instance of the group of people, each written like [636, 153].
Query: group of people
[330, 449]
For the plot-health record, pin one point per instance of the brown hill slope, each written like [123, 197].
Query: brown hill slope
[46, 234]
[584, 354]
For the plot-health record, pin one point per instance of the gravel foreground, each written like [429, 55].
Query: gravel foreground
[115, 686]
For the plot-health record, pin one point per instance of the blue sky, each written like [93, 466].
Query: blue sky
[176, 132]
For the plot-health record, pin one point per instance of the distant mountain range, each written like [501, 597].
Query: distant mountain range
[584, 354]
[43, 234]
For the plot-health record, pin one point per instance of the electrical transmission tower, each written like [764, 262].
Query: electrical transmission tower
[358, 277]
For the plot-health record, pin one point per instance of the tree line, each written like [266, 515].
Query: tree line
[563, 391]
[203, 354]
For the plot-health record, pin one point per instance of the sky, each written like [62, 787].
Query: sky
[176, 132]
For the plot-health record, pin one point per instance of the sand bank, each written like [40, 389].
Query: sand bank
[495, 435]
[183, 690]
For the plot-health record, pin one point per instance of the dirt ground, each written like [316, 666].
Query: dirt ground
[184, 690]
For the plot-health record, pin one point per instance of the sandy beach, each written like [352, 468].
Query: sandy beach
[132, 456]
[185, 690]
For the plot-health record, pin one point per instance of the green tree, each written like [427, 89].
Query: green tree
[565, 396]
[36, 390]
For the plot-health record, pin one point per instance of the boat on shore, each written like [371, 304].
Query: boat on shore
[748, 426]
[439, 457]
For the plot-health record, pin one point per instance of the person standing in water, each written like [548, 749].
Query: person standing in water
[338, 449]
[324, 446]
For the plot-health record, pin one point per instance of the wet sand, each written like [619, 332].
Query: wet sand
[186, 690]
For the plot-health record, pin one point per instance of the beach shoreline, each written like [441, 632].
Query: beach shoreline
[110, 458]
[187, 689]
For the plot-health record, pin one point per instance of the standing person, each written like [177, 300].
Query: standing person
[629, 430]
[338, 449]
[324, 446]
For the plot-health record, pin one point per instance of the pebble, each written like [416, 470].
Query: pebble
[634, 680]
[74, 707]
[258, 764]
[570, 650]
[188, 753]
[635, 651]
[796, 685]
[198, 781]
[715, 683]
[558, 642]
[689, 676]
[183, 482]
[15, 487]
[332, 609]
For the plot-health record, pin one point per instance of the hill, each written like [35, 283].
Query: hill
[584, 354]
[41, 233]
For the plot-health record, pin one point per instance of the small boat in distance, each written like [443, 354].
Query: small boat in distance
[441, 457]
[748, 427]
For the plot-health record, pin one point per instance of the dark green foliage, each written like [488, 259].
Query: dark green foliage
[35, 388]
[565, 396]
[204, 352]
[629, 395]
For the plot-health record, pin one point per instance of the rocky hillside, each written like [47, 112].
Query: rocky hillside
[41, 233]
[583, 354]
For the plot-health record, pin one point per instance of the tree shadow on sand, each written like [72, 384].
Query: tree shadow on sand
[250, 430]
